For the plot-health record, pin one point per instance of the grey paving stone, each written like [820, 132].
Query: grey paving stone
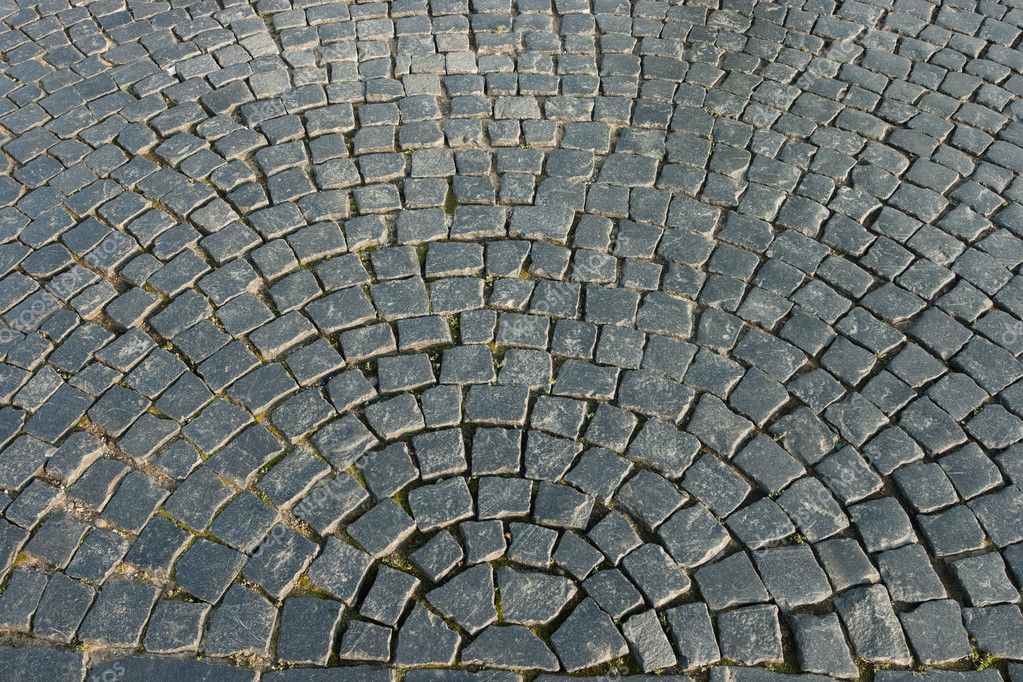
[242, 623]
[731, 581]
[693, 536]
[511, 647]
[792, 575]
[305, 207]
[908, 575]
[532, 598]
[648, 642]
[587, 638]
[364, 641]
[872, 626]
[995, 629]
[467, 598]
[15, 663]
[751, 634]
[821, 646]
[693, 635]
[207, 569]
[983, 579]
[388, 596]
[119, 614]
[175, 627]
[382, 528]
[935, 632]
[276, 564]
[424, 639]
[61, 608]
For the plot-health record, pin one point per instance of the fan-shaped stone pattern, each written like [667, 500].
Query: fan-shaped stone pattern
[516, 336]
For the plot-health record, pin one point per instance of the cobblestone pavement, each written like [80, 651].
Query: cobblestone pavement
[495, 339]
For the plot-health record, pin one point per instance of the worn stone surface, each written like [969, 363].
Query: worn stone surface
[450, 339]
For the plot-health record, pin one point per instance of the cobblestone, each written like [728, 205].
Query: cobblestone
[484, 340]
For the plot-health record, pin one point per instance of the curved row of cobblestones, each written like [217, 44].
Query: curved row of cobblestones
[481, 340]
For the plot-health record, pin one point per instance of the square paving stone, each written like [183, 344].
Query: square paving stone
[364, 641]
[821, 646]
[424, 639]
[614, 536]
[175, 627]
[61, 608]
[925, 487]
[382, 528]
[971, 471]
[21, 599]
[693, 635]
[576, 556]
[996, 629]
[731, 582]
[882, 523]
[760, 524]
[587, 638]
[792, 575]
[388, 471]
[207, 569]
[388, 596]
[872, 625]
[197, 500]
[751, 635]
[440, 453]
[812, 508]
[244, 522]
[664, 448]
[119, 614]
[467, 598]
[909, 576]
[277, 563]
[159, 544]
[611, 427]
[693, 536]
[768, 464]
[438, 556]
[648, 642]
[559, 416]
[531, 597]
[441, 504]
[658, 577]
[983, 579]
[650, 498]
[484, 540]
[97, 555]
[599, 473]
[395, 417]
[292, 477]
[547, 457]
[531, 545]
[242, 624]
[936, 633]
[716, 484]
[561, 506]
[134, 503]
[1001, 515]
